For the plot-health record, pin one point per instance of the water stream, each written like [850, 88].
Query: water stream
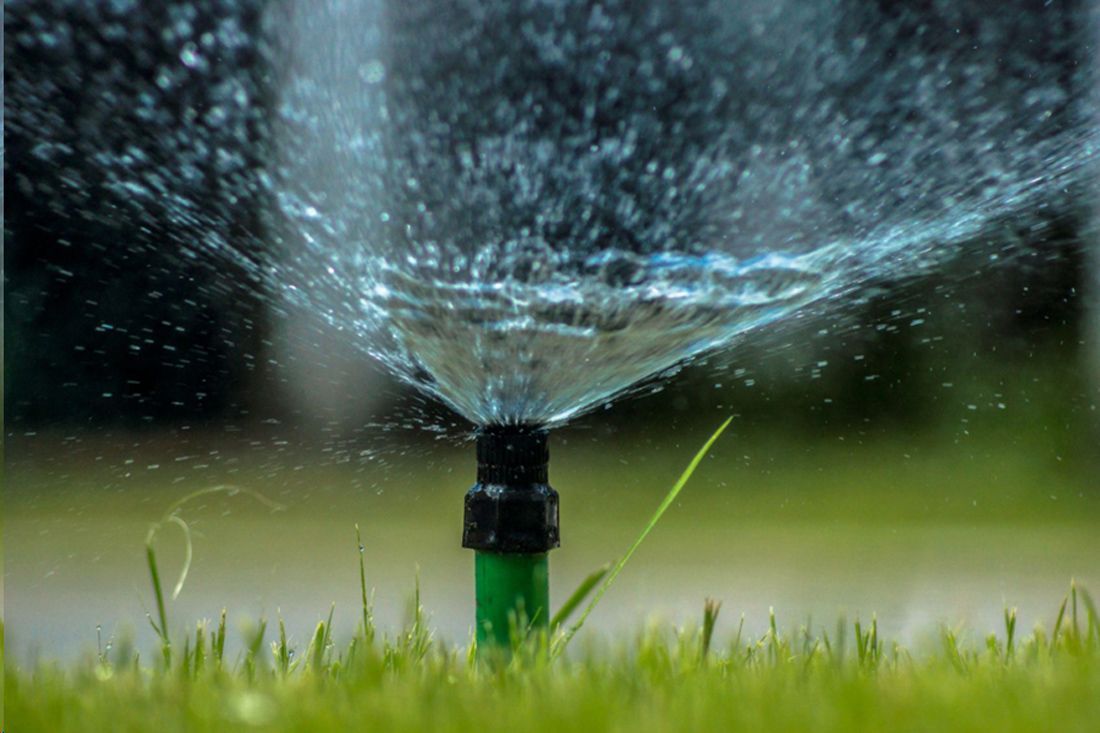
[525, 209]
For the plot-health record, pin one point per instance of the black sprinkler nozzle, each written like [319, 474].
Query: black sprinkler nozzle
[511, 508]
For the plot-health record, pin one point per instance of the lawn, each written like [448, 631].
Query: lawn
[660, 679]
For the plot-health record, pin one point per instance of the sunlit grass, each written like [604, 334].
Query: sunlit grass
[843, 678]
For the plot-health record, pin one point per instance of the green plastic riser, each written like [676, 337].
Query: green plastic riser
[510, 588]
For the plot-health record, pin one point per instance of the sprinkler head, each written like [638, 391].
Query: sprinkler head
[511, 509]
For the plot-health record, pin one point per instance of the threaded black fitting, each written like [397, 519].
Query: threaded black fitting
[511, 508]
[512, 455]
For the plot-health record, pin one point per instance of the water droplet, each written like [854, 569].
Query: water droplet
[189, 55]
[374, 72]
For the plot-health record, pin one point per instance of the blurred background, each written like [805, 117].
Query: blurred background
[930, 454]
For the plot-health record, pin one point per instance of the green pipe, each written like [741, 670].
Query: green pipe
[512, 591]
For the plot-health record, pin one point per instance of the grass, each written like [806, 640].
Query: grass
[662, 679]
[844, 677]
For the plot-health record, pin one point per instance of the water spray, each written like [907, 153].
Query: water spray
[511, 522]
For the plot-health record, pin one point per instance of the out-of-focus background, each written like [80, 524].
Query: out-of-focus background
[930, 455]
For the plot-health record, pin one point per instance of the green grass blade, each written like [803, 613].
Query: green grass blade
[1010, 632]
[317, 648]
[188, 552]
[670, 497]
[368, 612]
[711, 608]
[219, 640]
[254, 643]
[161, 625]
[577, 598]
[1058, 624]
[1093, 617]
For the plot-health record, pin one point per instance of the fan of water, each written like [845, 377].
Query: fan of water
[525, 208]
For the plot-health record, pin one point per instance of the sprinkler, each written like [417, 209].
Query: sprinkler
[511, 522]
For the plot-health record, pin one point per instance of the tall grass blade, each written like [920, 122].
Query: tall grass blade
[254, 642]
[711, 608]
[199, 653]
[218, 643]
[282, 651]
[368, 611]
[1093, 617]
[1058, 624]
[670, 497]
[317, 648]
[171, 516]
[160, 626]
[577, 597]
[1010, 632]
